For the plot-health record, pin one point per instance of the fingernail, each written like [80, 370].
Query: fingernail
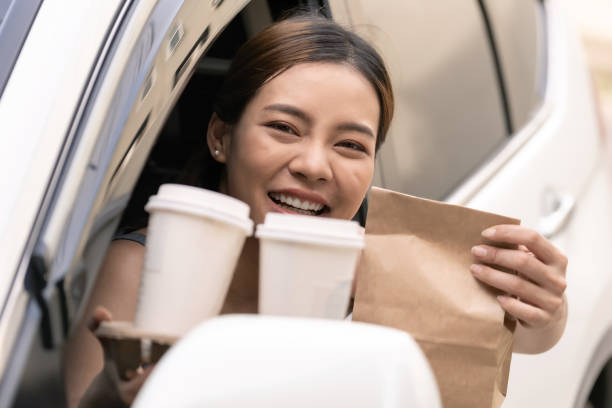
[479, 251]
[502, 298]
[489, 233]
[475, 268]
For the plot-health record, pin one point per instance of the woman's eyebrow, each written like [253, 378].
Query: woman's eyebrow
[351, 126]
[291, 110]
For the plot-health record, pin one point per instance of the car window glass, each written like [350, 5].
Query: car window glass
[449, 115]
[518, 30]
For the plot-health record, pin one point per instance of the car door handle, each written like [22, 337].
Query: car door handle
[551, 224]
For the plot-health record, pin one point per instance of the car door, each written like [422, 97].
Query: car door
[436, 139]
[558, 182]
[40, 96]
[495, 111]
[142, 53]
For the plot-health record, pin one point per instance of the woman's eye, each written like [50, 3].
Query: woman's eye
[352, 145]
[282, 127]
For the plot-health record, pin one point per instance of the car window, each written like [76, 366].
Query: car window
[518, 32]
[143, 68]
[180, 142]
[449, 115]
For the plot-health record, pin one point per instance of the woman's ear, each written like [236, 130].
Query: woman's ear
[217, 138]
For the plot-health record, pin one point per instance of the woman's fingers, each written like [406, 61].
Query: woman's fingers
[100, 314]
[129, 389]
[538, 285]
[124, 386]
[528, 315]
[542, 248]
[517, 286]
[524, 263]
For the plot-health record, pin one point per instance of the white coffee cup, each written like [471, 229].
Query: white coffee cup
[307, 265]
[194, 240]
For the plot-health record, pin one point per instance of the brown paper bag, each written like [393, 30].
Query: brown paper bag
[414, 275]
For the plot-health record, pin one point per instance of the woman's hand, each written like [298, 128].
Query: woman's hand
[535, 293]
[111, 388]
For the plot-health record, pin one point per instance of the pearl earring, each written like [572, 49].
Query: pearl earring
[217, 152]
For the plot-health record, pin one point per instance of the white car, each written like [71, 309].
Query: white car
[495, 110]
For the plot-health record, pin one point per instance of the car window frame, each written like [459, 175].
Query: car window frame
[22, 309]
[81, 201]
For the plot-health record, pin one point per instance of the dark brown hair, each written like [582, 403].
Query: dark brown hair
[296, 40]
[299, 39]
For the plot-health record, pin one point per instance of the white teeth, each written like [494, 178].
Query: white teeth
[297, 203]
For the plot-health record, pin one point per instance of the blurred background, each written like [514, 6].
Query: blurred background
[593, 19]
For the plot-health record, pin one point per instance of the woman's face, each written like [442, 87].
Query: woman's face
[305, 144]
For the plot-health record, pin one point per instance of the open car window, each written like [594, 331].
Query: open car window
[147, 103]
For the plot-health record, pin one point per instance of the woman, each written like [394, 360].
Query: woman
[303, 110]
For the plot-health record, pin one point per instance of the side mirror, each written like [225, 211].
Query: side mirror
[274, 362]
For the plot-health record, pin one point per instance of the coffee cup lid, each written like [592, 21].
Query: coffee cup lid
[311, 229]
[202, 202]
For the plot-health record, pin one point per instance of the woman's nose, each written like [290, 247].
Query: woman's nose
[311, 163]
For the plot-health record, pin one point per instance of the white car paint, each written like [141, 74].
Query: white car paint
[36, 110]
[563, 158]
[558, 154]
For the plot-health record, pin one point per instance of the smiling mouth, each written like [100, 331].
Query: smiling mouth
[297, 205]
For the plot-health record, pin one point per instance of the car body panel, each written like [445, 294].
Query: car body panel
[556, 155]
[562, 158]
[85, 114]
[39, 139]
[556, 377]
[32, 147]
